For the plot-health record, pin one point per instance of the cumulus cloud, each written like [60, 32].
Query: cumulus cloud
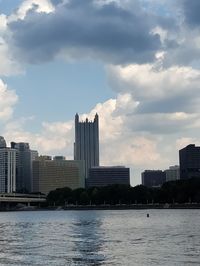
[53, 138]
[8, 99]
[8, 65]
[112, 31]
[81, 28]
[175, 89]
[39, 6]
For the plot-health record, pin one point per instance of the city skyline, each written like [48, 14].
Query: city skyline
[141, 76]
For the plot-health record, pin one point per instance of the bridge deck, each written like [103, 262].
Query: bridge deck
[21, 198]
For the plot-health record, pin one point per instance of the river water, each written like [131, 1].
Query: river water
[122, 237]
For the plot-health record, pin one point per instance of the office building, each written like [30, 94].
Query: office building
[189, 159]
[86, 146]
[25, 156]
[7, 168]
[108, 175]
[51, 174]
[173, 173]
[153, 178]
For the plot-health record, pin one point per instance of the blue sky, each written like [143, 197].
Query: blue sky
[55, 91]
[136, 63]
[9, 6]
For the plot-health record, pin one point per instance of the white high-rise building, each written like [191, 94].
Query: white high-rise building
[7, 168]
[173, 173]
[86, 146]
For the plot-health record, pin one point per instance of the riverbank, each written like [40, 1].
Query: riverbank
[105, 207]
[133, 207]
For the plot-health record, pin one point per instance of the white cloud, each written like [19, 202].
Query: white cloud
[145, 82]
[8, 65]
[8, 99]
[54, 138]
[38, 5]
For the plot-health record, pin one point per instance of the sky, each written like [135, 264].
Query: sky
[134, 62]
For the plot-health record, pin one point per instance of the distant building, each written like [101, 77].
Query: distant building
[50, 174]
[25, 156]
[86, 146]
[189, 159]
[59, 158]
[7, 168]
[153, 178]
[173, 173]
[108, 175]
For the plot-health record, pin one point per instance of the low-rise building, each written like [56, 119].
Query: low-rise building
[108, 175]
[153, 178]
[51, 174]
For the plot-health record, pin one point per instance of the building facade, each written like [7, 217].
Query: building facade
[25, 156]
[189, 160]
[86, 146]
[153, 178]
[51, 174]
[8, 158]
[173, 173]
[108, 175]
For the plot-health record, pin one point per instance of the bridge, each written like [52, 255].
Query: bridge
[12, 199]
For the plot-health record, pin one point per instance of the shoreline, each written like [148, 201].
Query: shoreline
[107, 207]
[134, 207]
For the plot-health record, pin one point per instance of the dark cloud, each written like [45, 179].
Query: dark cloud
[172, 104]
[191, 10]
[158, 123]
[108, 32]
[184, 102]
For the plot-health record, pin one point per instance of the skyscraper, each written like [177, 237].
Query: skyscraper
[25, 156]
[86, 146]
[189, 159]
[7, 168]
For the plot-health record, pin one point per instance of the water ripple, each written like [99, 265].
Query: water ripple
[98, 238]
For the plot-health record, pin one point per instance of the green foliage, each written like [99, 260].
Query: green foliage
[180, 191]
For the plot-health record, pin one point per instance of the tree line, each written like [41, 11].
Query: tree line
[180, 191]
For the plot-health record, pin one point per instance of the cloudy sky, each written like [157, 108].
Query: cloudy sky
[135, 62]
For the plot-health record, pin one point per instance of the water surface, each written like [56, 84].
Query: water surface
[117, 237]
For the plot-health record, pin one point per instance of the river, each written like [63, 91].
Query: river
[121, 237]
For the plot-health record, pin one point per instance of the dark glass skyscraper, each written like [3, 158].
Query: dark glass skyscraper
[189, 159]
[86, 146]
[25, 156]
